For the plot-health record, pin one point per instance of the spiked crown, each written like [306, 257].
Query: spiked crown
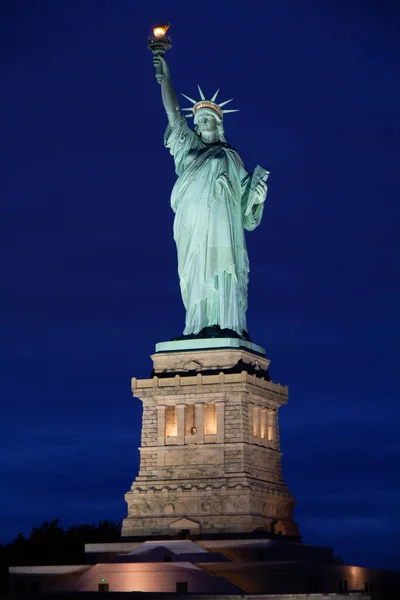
[204, 103]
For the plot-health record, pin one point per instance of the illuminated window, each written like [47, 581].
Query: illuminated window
[189, 419]
[263, 423]
[270, 428]
[210, 419]
[171, 427]
[256, 421]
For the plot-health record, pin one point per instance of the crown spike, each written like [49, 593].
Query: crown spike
[190, 99]
[226, 102]
[233, 110]
[215, 95]
[202, 96]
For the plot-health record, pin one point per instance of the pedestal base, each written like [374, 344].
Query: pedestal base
[210, 454]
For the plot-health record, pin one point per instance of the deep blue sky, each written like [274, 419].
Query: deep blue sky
[89, 277]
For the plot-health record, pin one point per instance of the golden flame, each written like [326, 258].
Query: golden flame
[160, 30]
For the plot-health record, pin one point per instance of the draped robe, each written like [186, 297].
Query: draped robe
[210, 199]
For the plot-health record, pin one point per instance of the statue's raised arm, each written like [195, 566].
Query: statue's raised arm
[169, 97]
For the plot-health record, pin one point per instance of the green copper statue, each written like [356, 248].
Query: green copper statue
[214, 199]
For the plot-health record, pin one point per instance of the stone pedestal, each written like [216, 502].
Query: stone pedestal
[210, 459]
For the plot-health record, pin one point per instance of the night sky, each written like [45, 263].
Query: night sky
[89, 271]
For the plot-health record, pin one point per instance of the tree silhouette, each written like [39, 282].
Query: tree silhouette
[50, 544]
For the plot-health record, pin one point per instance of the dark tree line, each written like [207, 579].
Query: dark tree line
[50, 544]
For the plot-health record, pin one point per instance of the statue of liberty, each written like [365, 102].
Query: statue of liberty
[214, 199]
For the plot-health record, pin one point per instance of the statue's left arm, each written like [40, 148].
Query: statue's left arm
[253, 198]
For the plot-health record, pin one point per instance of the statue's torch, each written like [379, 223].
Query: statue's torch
[159, 43]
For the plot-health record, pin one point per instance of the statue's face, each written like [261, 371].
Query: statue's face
[207, 123]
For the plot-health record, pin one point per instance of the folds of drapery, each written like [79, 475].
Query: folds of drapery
[210, 198]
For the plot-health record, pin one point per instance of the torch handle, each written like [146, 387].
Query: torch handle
[158, 67]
